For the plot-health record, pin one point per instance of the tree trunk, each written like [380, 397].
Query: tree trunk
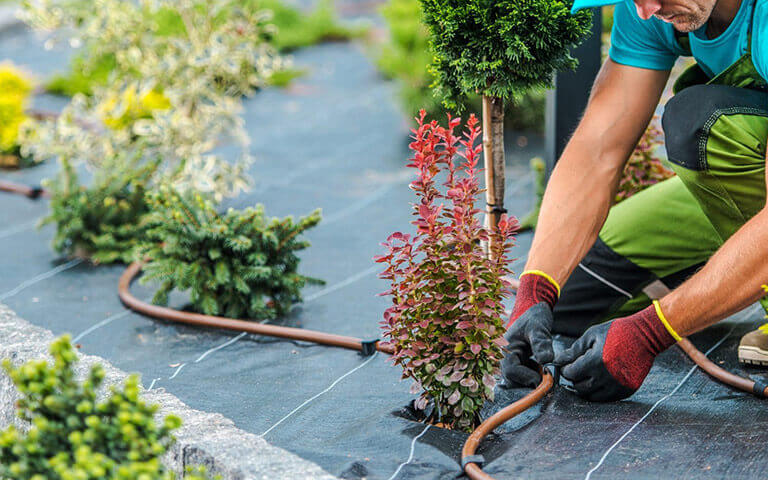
[493, 153]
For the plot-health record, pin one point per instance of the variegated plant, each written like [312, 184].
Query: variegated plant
[194, 79]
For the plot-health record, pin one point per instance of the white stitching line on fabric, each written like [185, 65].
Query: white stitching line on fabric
[356, 207]
[40, 278]
[102, 323]
[615, 287]
[224, 345]
[410, 456]
[340, 285]
[306, 402]
[663, 399]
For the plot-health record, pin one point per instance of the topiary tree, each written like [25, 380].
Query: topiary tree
[241, 264]
[74, 433]
[446, 321]
[102, 222]
[500, 49]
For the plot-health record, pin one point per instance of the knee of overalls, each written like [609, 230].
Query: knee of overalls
[691, 117]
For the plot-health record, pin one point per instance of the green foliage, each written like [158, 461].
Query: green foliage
[293, 29]
[406, 56]
[102, 222]
[500, 48]
[87, 70]
[539, 167]
[283, 78]
[240, 264]
[607, 16]
[296, 29]
[75, 436]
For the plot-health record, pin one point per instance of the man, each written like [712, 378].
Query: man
[702, 234]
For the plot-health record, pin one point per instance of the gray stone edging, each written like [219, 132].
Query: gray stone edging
[207, 439]
[8, 17]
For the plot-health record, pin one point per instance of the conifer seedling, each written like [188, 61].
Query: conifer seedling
[104, 221]
[75, 432]
[239, 264]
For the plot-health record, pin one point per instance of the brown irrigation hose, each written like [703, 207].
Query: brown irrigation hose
[123, 290]
[472, 469]
[26, 190]
[724, 376]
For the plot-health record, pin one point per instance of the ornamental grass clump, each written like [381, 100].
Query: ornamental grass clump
[104, 221]
[75, 433]
[240, 264]
[447, 319]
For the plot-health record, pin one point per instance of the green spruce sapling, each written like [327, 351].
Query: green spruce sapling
[500, 49]
[446, 322]
[240, 264]
[103, 221]
[76, 433]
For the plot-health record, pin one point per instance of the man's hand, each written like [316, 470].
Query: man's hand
[530, 345]
[529, 333]
[610, 361]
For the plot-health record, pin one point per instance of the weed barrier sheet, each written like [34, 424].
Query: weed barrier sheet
[336, 140]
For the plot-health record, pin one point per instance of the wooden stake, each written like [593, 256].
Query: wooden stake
[493, 153]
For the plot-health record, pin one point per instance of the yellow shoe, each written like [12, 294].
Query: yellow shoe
[753, 348]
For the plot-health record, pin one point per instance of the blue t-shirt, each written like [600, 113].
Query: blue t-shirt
[651, 43]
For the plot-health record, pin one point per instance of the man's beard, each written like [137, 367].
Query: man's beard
[689, 23]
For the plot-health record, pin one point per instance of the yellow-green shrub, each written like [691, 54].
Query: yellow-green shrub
[74, 435]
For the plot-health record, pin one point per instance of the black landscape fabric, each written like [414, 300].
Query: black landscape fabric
[336, 140]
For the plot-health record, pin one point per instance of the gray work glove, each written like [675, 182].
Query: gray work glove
[530, 345]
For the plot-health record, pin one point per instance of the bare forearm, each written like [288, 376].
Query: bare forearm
[576, 203]
[731, 280]
[583, 185]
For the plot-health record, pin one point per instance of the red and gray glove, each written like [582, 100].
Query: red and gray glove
[611, 360]
[529, 330]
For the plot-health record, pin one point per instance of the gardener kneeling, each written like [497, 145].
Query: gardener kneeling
[702, 234]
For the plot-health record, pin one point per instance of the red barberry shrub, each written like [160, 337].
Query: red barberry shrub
[446, 319]
[644, 167]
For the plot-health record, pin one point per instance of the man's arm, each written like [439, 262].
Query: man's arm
[576, 203]
[584, 182]
[730, 281]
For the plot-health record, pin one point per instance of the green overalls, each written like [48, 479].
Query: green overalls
[715, 134]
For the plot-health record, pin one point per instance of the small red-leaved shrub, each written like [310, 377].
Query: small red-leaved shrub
[446, 319]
